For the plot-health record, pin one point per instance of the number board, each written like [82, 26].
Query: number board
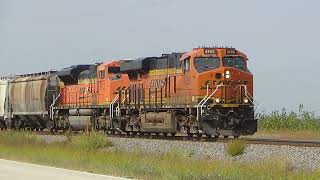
[231, 51]
[210, 51]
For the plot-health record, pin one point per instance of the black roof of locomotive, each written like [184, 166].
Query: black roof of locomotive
[145, 64]
[70, 74]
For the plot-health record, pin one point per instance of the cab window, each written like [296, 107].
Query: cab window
[186, 64]
[102, 74]
[115, 77]
[203, 64]
[236, 62]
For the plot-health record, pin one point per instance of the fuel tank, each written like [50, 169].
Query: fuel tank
[81, 122]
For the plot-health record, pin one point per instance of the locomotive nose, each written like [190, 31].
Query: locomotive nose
[230, 84]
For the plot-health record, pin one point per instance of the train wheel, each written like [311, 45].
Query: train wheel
[173, 134]
[165, 134]
[235, 137]
[147, 135]
[226, 137]
[190, 135]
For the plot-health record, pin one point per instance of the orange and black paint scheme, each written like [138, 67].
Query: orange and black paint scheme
[207, 91]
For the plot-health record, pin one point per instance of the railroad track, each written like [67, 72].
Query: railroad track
[263, 141]
[289, 142]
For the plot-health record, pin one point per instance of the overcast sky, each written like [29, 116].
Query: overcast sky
[281, 38]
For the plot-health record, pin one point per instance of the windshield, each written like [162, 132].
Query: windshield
[203, 64]
[236, 62]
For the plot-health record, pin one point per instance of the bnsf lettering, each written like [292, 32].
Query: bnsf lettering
[157, 83]
[84, 90]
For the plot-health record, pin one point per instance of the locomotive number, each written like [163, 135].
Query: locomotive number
[210, 51]
[231, 51]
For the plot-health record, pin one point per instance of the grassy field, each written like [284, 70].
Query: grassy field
[289, 124]
[96, 156]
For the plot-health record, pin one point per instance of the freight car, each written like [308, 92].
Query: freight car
[25, 100]
[4, 86]
[205, 91]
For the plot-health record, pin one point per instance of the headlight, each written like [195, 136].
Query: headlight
[245, 100]
[227, 74]
[217, 100]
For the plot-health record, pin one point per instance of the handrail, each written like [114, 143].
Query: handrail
[201, 102]
[246, 93]
[249, 96]
[205, 100]
[51, 106]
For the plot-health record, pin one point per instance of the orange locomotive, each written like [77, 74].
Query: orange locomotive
[205, 91]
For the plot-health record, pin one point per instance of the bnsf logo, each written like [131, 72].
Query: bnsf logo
[157, 83]
[84, 90]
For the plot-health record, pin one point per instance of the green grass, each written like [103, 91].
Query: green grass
[19, 139]
[176, 164]
[90, 142]
[293, 121]
[236, 147]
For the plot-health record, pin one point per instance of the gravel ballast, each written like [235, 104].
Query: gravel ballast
[299, 158]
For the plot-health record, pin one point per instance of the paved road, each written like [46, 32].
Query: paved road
[12, 170]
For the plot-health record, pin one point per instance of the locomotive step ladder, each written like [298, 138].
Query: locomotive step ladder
[114, 108]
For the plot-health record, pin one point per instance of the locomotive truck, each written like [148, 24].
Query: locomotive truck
[206, 91]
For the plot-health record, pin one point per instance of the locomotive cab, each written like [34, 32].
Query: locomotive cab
[222, 90]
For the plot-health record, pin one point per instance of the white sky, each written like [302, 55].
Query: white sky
[281, 38]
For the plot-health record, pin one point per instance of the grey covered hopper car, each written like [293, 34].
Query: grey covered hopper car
[30, 98]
